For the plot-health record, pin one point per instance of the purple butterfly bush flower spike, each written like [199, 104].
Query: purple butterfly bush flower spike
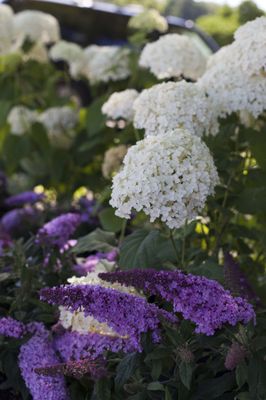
[200, 300]
[37, 353]
[19, 200]
[12, 328]
[13, 221]
[58, 231]
[128, 315]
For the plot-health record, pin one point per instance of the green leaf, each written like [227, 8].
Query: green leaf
[241, 374]
[4, 110]
[167, 395]
[97, 240]
[252, 200]
[210, 270]
[154, 386]
[125, 369]
[186, 372]
[103, 389]
[257, 379]
[257, 142]
[243, 396]
[146, 249]
[213, 388]
[110, 222]
[95, 117]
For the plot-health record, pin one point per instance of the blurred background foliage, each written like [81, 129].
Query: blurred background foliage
[218, 21]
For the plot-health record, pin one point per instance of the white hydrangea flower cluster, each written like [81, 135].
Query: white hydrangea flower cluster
[6, 28]
[169, 177]
[60, 124]
[36, 26]
[77, 321]
[173, 56]
[113, 158]
[106, 63]
[235, 75]
[20, 119]
[175, 105]
[120, 105]
[148, 21]
[71, 53]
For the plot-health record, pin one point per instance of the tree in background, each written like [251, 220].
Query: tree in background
[222, 25]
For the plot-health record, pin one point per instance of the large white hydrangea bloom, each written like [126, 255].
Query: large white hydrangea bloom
[169, 177]
[36, 26]
[106, 63]
[71, 53]
[6, 28]
[60, 123]
[77, 321]
[173, 56]
[175, 105]
[20, 119]
[148, 21]
[235, 77]
[120, 105]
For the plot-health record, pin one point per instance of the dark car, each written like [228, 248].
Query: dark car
[86, 22]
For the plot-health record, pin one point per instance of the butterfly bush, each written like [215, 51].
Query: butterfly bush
[128, 315]
[120, 105]
[175, 105]
[18, 219]
[20, 119]
[58, 231]
[169, 177]
[200, 300]
[173, 56]
[36, 353]
[148, 21]
[29, 197]
[235, 75]
[112, 161]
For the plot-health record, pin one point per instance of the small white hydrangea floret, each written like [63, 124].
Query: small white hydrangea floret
[20, 119]
[120, 105]
[106, 63]
[148, 21]
[175, 105]
[71, 53]
[173, 56]
[60, 124]
[113, 158]
[169, 177]
[36, 26]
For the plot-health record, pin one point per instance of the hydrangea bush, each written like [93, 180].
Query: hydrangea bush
[132, 214]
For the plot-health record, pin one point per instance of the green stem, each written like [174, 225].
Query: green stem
[174, 246]
[123, 231]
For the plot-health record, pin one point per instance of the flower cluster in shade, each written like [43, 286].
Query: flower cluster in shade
[93, 263]
[174, 105]
[10, 327]
[37, 353]
[168, 177]
[173, 56]
[96, 63]
[200, 300]
[128, 315]
[58, 231]
[235, 75]
[60, 123]
[236, 280]
[20, 199]
[148, 21]
[12, 222]
[35, 26]
[112, 161]
[120, 105]
[235, 356]
[86, 207]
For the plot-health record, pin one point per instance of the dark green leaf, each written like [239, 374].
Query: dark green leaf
[97, 240]
[110, 222]
[125, 369]
[186, 372]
